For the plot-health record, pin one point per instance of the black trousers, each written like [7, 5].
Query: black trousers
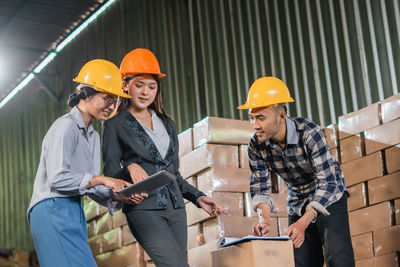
[162, 234]
[330, 234]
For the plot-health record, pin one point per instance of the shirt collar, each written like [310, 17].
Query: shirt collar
[77, 117]
[291, 132]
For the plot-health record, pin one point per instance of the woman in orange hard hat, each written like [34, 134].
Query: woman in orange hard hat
[143, 139]
[296, 150]
[69, 168]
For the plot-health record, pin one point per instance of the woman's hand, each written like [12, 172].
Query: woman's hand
[134, 199]
[211, 206]
[137, 173]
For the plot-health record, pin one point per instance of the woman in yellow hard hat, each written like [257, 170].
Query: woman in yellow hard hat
[69, 168]
[143, 138]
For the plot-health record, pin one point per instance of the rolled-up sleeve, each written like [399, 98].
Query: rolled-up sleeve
[260, 182]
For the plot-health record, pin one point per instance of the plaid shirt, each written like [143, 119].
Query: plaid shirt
[312, 175]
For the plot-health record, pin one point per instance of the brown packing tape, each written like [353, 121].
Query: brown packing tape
[363, 169]
[194, 232]
[111, 240]
[351, 148]
[104, 224]
[255, 253]
[387, 240]
[358, 121]
[362, 246]
[95, 244]
[206, 156]
[221, 131]
[392, 159]
[224, 180]
[370, 218]
[201, 256]
[185, 140]
[244, 157]
[384, 188]
[118, 219]
[358, 196]
[383, 136]
[127, 237]
[390, 108]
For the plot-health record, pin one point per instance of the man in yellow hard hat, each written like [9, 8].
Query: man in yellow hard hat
[296, 150]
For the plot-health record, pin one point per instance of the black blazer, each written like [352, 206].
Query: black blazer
[125, 142]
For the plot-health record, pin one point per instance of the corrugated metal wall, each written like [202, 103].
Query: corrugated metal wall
[335, 55]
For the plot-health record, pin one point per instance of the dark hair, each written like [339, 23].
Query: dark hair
[157, 104]
[82, 91]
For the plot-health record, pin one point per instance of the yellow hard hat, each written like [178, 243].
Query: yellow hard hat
[267, 92]
[103, 76]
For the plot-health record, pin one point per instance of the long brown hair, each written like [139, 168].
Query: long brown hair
[157, 104]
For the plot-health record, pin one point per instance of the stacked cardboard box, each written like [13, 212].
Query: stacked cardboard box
[370, 154]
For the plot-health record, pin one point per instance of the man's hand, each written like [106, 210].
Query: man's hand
[261, 228]
[210, 206]
[297, 229]
[134, 199]
[137, 173]
[113, 183]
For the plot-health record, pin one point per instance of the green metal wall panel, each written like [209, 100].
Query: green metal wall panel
[336, 56]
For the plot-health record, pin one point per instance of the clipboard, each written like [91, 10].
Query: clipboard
[150, 183]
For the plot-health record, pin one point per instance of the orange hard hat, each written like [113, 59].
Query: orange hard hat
[140, 61]
[267, 92]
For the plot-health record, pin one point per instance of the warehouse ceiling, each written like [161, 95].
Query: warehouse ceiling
[30, 29]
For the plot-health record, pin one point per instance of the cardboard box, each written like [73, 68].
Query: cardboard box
[104, 224]
[243, 157]
[388, 260]
[283, 224]
[90, 208]
[210, 230]
[209, 156]
[194, 214]
[352, 148]
[363, 246]
[127, 237]
[194, 232]
[224, 180]
[185, 140]
[254, 254]
[370, 218]
[239, 226]
[91, 228]
[95, 244]
[387, 240]
[392, 159]
[384, 188]
[365, 262]
[390, 108]
[118, 219]
[336, 153]
[112, 240]
[397, 211]
[280, 202]
[105, 260]
[363, 169]
[358, 196]
[232, 202]
[221, 131]
[201, 256]
[129, 255]
[383, 136]
[332, 135]
[358, 121]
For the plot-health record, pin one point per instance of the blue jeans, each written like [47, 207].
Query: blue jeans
[59, 231]
[330, 232]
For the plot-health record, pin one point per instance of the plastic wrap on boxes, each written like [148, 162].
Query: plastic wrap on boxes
[95, 244]
[221, 131]
[392, 159]
[224, 180]
[390, 108]
[118, 219]
[104, 224]
[232, 202]
[363, 169]
[358, 196]
[383, 136]
[209, 156]
[370, 218]
[332, 135]
[244, 157]
[397, 210]
[201, 256]
[185, 139]
[358, 121]
[127, 237]
[194, 233]
[387, 240]
[352, 147]
[90, 208]
[384, 188]
[283, 224]
[362, 246]
[112, 239]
